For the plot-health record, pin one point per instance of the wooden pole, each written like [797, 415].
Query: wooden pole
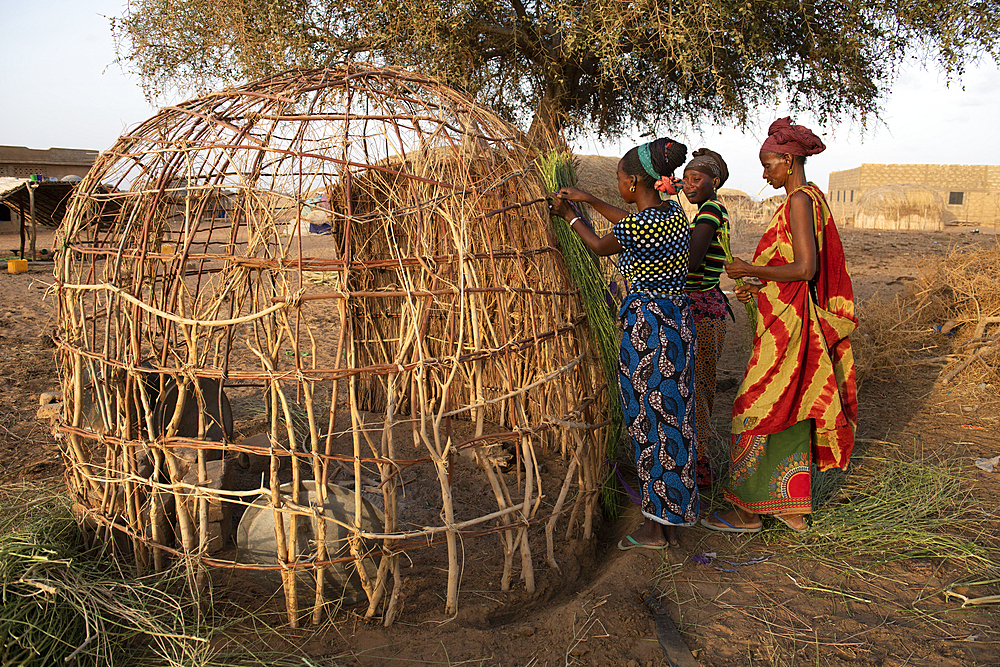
[34, 224]
[20, 226]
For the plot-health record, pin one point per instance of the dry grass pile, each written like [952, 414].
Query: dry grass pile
[950, 317]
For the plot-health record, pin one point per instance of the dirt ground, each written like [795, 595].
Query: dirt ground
[783, 611]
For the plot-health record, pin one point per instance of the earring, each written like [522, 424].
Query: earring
[632, 189]
[789, 171]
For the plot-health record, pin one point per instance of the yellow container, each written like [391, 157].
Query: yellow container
[17, 265]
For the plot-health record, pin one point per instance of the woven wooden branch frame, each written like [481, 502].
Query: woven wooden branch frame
[437, 296]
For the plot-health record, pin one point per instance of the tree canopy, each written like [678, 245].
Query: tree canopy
[612, 65]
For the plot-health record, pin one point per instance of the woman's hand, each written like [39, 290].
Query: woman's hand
[560, 207]
[746, 292]
[572, 194]
[739, 269]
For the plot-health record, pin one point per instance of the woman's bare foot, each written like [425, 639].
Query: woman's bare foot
[670, 535]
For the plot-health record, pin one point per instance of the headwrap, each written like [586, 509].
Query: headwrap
[710, 163]
[784, 138]
[646, 159]
[704, 164]
[666, 184]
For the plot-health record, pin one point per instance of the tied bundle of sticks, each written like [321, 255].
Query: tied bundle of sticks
[558, 172]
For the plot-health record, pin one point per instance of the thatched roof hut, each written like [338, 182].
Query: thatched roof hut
[905, 206]
[434, 325]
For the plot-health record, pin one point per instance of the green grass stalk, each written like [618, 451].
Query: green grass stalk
[557, 170]
[61, 605]
[751, 305]
[887, 510]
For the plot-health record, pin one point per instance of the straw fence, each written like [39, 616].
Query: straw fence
[904, 206]
[434, 320]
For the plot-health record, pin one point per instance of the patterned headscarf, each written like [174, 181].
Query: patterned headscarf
[784, 138]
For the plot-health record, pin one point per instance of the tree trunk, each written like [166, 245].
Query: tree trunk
[547, 125]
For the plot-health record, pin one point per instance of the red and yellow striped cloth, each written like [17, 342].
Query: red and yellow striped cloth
[802, 366]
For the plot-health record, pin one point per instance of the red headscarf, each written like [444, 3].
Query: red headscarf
[784, 138]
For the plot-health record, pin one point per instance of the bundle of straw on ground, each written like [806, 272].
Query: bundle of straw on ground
[64, 606]
[890, 509]
[443, 326]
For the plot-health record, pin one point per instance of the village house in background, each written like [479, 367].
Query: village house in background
[54, 163]
[39, 182]
[915, 196]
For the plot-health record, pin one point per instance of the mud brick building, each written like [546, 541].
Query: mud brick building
[18, 164]
[21, 162]
[971, 193]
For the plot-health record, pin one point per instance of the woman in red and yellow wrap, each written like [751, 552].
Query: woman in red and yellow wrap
[797, 405]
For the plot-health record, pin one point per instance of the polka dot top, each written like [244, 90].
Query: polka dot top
[655, 244]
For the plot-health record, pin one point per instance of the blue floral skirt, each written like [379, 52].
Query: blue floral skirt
[657, 375]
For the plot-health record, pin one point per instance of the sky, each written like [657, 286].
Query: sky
[62, 88]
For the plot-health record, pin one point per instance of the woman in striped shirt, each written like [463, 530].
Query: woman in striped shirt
[703, 175]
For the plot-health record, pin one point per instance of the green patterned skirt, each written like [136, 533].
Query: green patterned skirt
[772, 474]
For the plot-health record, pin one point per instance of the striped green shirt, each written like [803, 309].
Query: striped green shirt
[706, 276]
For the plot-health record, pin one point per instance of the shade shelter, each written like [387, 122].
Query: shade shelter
[37, 203]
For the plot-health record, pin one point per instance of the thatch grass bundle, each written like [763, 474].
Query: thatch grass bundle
[61, 605]
[557, 170]
[889, 509]
[751, 305]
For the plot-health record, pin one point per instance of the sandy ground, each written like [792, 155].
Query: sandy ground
[787, 610]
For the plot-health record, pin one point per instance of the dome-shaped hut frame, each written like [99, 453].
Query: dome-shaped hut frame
[187, 276]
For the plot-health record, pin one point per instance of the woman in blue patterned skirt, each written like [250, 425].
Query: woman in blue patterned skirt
[656, 360]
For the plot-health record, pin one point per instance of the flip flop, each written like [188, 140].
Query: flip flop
[790, 526]
[727, 527]
[635, 544]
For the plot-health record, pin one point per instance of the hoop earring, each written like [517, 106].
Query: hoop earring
[632, 189]
[789, 171]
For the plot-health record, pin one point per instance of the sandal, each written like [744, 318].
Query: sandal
[633, 543]
[790, 526]
[726, 527]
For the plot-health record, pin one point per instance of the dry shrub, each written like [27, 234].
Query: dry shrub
[949, 317]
